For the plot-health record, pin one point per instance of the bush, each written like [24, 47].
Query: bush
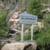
[3, 24]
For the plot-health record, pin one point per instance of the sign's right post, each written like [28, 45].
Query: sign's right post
[32, 32]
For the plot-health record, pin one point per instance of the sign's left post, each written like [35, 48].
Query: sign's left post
[22, 32]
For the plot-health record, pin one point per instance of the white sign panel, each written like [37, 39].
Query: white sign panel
[26, 18]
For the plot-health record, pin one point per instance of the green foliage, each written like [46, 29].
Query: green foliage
[27, 37]
[35, 7]
[43, 38]
[3, 24]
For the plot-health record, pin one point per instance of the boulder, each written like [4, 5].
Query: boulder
[20, 46]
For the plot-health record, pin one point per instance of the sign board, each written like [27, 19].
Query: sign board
[26, 18]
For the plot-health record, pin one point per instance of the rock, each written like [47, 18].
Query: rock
[20, 46]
